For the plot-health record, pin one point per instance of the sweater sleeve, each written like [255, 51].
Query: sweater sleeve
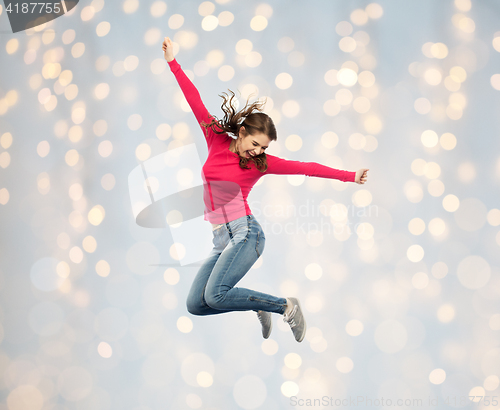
[193, 98]
[276, 165]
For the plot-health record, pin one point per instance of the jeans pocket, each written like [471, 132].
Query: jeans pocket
[239, 230]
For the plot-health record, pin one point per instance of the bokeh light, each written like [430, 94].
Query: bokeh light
[93, 313]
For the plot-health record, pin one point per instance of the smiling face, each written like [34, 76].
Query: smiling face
[252, 145]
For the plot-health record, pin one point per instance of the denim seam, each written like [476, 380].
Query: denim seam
[201, 296]
[232, 260]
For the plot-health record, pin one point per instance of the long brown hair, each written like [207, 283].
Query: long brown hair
[254, 121]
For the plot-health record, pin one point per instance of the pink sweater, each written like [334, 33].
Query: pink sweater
[226, 184]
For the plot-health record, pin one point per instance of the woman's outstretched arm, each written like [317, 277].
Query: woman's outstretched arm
[276, 165]
[189, 90]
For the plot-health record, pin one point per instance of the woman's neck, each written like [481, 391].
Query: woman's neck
[232, 146]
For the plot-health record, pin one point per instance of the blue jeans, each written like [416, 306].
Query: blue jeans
[237, 245]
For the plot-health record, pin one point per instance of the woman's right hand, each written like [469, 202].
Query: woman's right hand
[168, 49]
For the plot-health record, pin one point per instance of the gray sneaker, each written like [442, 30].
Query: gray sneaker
[266, 321]
[296, 320]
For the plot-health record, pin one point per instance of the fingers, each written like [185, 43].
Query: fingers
[363, 176]
[166, 43]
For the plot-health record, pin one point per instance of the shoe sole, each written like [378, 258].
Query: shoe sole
[270, 330]
[305, 324]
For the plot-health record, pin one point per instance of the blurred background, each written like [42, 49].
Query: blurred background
[398, 278]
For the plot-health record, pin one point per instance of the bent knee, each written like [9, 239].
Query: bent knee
[214, 300]
[194, 308]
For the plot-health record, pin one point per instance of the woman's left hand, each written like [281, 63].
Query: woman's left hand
[361, 176]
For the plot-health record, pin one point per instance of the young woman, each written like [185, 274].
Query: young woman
[232, 168]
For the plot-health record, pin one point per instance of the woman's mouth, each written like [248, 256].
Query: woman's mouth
[248, 154]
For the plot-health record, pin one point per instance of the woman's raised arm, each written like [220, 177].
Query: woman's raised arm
[189, 90]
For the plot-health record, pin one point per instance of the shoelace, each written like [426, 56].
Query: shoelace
[290, 317]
